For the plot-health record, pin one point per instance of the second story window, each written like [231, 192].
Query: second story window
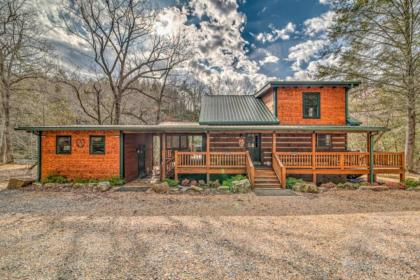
[311, 105]
[63, 145]
[97, 145]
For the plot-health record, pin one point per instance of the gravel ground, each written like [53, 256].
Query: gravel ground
[334, 235]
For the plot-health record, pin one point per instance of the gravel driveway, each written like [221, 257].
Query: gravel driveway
[334, 235]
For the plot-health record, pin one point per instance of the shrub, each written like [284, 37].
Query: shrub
[171, 182]
[228, 182]
[411, 183]
[116, 181]
[55, 178]
[290, 182]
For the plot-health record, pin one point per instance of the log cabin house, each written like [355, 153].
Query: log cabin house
[288, 128]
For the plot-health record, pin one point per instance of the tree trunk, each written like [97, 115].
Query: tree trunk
[6, 144]
[410, 140]
[117, 102]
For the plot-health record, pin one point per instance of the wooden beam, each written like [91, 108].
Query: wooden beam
[274, 148]
[207, 157]
[313, 157]
[371, 178]
[163, 157]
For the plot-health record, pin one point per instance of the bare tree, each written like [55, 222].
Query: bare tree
[21, 55]
[125, 47]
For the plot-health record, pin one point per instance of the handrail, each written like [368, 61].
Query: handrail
[250, 169]
[280, 170]
[214, 160]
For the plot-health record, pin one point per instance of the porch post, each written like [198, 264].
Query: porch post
[313, 157]
[274, 149]
[207, 157]
[371, 145]
[163, 156]
[39, 156]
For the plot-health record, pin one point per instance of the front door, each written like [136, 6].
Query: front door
[253, 145]
[141, 157]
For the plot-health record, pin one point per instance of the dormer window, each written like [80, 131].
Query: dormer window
[311, 105]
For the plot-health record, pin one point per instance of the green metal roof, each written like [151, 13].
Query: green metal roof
[352, 121]
[235, 110]
[270, 84]
[206, 128]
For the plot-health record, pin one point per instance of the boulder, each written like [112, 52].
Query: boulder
[241, 186]
[161, 188]
[374, 188]
[104, 186]
[18, 183]
[305, 187]
[214, 184]
[185, 182]
[202, 183]
[194, 183]
[174, 190]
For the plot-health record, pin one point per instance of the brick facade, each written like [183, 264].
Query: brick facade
[80, 163]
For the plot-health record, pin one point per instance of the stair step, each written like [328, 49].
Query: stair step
[271, 186]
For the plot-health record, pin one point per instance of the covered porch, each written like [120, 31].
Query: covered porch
[301, 158]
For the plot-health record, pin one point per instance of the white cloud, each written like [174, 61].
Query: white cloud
[276, 34]
[304, 52]
[317, 25]
[326, 2]
[269, 58]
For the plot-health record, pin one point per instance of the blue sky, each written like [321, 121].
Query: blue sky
[261, 15]
[236, 42]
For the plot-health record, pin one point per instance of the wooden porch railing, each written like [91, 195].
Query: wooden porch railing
[192, 161]
[280, 170]
[341, 160]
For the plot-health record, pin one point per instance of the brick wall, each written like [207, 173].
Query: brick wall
[333, 104]
[80, 163]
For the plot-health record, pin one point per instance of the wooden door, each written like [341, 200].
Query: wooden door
[253, 145]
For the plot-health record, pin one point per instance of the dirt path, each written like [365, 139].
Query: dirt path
[342, 234]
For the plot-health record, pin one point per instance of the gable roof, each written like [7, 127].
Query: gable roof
[270, 84]
[234, 110]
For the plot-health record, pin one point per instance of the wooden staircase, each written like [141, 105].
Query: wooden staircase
[265, 178]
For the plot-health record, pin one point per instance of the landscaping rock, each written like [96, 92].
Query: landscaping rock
[174, 190]
[306, 187]
[223, 189]
[185, 182]
[104, 186]
[196, 189]
[92, 185]
[348, 186]
[161, 188]
[242, 186]
[49, 185]
[194, 183]
[416, 189]
[65, 185]
[18, 183]
[214, 184]
[328, 186]
[202, 183]
[374, 188]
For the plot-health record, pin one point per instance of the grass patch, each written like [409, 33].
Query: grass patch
[411, 183]
[228, 182]
[291, 181]
[171, 182]
[55, 178]
[116, 181]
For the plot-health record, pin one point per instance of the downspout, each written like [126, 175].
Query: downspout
[121, 154]
[39, 156]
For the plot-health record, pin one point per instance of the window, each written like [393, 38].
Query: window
[324, 140]
[97, 145]
[197, 143]
[311, 105]
[63, 145]
[177, 142]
